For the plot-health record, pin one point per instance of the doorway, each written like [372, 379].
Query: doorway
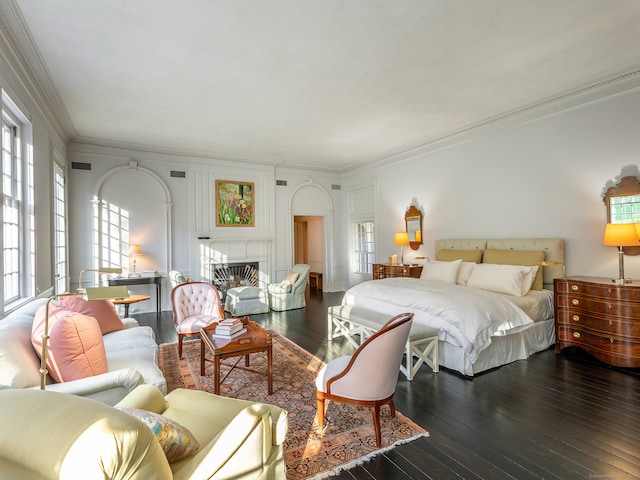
[308, 241]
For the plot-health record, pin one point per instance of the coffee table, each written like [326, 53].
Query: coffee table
[129, 300]
[254, 340]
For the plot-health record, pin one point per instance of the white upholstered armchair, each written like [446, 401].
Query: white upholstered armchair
[289, 294]
[367, 378]
[195, 305]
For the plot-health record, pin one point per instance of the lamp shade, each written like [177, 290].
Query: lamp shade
[620, 235]
[135, 250]
[402, 238]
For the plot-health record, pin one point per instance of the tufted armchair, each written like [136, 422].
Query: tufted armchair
[195, 305]
[289, 294]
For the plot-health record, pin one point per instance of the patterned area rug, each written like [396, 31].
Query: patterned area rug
[348, 437]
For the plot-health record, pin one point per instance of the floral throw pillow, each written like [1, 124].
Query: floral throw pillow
[176, 441]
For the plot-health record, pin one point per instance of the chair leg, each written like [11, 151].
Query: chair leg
[180, 346]
[376, 423]
[320, 411]
[393, 409]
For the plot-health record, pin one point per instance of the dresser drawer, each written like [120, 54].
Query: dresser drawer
[618, 327]
[601, 306]
[600, 290]
[611, 350]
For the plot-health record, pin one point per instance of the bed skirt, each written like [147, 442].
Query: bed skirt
[502, 350]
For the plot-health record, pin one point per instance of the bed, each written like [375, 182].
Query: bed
[495, 309]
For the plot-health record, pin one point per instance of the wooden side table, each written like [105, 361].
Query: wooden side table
[256, 339]
[129, 300]
[386, 270]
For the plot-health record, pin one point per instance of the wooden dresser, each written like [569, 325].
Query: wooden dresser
[600, 317]
[384, 270]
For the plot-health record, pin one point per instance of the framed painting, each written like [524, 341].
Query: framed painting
[234, 204]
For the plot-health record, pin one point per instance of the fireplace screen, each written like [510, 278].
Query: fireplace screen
[231, 275]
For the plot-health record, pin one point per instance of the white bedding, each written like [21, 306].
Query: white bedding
[466, 317]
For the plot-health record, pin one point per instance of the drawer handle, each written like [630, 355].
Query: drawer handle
[611, 340]
[609, 306]
[576, 318]
[576, 334]
[575, 301]
[574, 288]
[610, 322]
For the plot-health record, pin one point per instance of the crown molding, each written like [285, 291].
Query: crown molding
[592, 91]
[23, 56]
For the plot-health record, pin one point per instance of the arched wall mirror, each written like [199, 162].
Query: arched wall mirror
[413, 220]
[623, 205]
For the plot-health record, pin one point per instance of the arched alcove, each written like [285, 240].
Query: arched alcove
[132, 205]
[312, 199]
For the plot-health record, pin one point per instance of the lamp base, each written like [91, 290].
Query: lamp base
[621, 281]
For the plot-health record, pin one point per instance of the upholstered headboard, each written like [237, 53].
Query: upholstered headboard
[553, 248]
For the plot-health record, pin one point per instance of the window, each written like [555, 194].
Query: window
[59, 230]
[364, 247]
[17, 205]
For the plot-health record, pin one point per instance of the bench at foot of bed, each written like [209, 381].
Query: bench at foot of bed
[357, 324]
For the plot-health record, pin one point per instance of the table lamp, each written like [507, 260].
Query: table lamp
[134, 251]
[98, 293]
[621, 235]
[402, 239]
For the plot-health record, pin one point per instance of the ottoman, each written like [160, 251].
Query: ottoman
[246, 301]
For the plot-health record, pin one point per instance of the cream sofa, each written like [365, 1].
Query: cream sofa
[131, 359]
[48, 435]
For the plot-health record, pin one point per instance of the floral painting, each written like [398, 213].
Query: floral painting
[234, 204]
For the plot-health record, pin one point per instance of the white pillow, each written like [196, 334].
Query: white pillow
[465, 272]
[441, 271]
[510, 279]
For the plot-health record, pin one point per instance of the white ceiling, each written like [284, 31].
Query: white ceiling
[330, 83]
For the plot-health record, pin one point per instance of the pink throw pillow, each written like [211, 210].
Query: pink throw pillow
[104, 311]
[76, 349]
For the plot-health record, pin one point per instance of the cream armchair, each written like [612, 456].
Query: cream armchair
[48, 435]
[290, 294]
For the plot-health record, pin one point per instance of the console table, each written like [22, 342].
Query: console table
[157, 280]
[600, 317]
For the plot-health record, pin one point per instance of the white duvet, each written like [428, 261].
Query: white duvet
[465, 316]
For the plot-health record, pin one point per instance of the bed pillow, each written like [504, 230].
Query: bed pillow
[465, 272]
[75, 350]
[517, 257]
[510, 279]
[446, 272]
[176, 441]
[447, 255]
[104, 311]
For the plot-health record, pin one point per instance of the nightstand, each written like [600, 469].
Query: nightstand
[386, 270]
[600, 317]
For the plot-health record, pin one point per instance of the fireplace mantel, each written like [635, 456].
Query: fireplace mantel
[225, 250]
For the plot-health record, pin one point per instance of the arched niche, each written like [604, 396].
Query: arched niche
[310, 198]
[138, 202]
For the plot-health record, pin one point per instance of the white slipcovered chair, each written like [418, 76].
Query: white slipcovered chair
[195, 305]
[367, 378]
[177, 278]
[290, 293]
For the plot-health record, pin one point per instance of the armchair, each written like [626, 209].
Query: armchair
[195, 305]
[237, 439]
[290, 294]
[367, 378]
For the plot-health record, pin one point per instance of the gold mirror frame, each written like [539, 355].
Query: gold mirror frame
[627, 186]
[413, 223]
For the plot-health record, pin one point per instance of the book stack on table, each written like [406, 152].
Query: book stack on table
[229, 328]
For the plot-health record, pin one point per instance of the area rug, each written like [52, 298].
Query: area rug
[348, 437]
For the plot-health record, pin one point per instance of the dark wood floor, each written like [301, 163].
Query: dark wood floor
[549, 417]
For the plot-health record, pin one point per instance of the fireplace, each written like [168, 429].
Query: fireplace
[231, 275]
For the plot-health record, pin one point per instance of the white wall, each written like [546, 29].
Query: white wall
[193, 209]
[542, 178]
